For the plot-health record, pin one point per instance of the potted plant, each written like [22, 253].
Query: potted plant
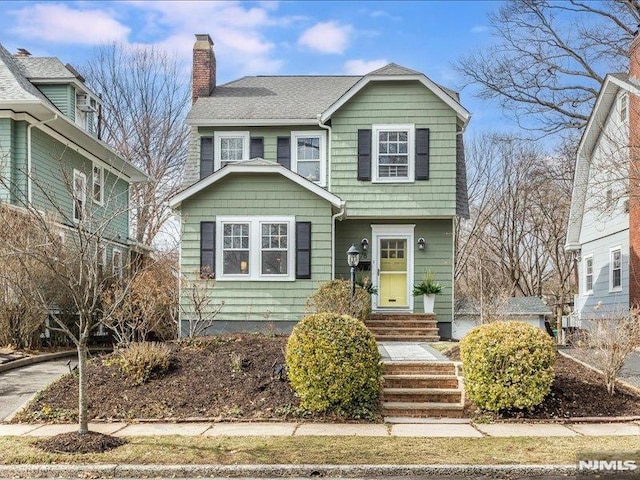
[428, 288]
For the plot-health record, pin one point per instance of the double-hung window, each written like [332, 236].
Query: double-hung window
[255, 248]
[230, 147]
[98, 181]
[116, 264]
[393, 153]
[308, 154]
[79, 195]
[615, 270]
[623, 107]
[588, 274]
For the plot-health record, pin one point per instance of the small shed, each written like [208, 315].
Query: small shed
[531, 310]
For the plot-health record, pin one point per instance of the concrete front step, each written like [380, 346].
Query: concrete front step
[419, 368]
[422, 409]
[422, 395]
[401, 323]
[429, 332]
[406, 338]
[420, 381]
[403, 316]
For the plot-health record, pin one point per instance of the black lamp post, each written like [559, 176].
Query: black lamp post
[353, 258]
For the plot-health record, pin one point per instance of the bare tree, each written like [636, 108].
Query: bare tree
[549, 59]
[145, 96]
[202, 310]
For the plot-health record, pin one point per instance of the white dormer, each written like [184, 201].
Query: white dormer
[86, 111]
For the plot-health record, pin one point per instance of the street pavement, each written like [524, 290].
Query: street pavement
[18, 386]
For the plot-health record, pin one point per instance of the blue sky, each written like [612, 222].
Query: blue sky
[309, 37]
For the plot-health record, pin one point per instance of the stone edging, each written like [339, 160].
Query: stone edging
[619, 381]
[24, 362]
[257, 471]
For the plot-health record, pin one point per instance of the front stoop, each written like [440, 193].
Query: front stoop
[422, 390]
[412, 327]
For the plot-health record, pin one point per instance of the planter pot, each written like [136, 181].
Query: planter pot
[428, 301]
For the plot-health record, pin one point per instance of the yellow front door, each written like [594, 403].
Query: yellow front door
[393, 273]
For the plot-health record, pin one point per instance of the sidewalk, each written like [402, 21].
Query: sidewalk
[433, 429]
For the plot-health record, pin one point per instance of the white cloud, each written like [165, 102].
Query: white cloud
[326, 37]
[58, 23]
[384, 14]
[479, 29]
[361, 67]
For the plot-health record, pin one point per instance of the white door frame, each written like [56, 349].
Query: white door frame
[404, 232]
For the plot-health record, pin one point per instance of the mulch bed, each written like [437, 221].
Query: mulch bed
[90, 442]
[576, 392]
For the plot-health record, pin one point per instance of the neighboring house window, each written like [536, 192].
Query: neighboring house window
[98, 181]
[393, 153]
[255, 248]
[79, 195]
[615, 270]
[116, 264]
[588, 274]
[231, 147]
[623, 107]
[308, 155]
[101, 257]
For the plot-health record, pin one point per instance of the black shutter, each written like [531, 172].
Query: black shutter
[256, 148]
[303, 250]
[207, 249]
[364, 155]
[206, 156]
[422, 154]
[284, 152]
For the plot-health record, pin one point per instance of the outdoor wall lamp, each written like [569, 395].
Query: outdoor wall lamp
[353, 258]
[365, 247]
[422, 244]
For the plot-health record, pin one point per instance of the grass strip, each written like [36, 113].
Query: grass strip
[326, 450]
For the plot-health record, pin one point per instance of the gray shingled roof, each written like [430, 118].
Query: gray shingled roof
[272, 97]
[394, 69]
[13, 85]
[514, 306]
[43, 67]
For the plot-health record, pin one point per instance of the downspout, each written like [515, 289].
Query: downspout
[334, 217]
[328, 129]
[29, 127]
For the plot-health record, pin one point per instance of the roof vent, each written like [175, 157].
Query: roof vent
[23, 52]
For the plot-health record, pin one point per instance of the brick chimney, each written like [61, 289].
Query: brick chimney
[204, 67]
[634, 175]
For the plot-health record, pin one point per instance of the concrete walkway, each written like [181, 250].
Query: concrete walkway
[18, 386]
[437, 428]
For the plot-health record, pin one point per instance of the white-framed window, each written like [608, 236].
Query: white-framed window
[393, 153]
[230, 147]
[255, 248]
[79, 195]
[308, 155]
[116, 263]
[615, 269]
[98, 184]
[623, 107]
[101, 256]
[588, 274]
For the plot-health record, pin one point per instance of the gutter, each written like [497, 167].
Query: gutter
[322, 125]
[29, 163]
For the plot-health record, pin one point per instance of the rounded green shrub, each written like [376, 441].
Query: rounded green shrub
[335, 296]
[507, 365]
[334, 366]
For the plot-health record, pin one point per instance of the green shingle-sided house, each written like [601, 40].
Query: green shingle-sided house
[51, 155]
[285, 173]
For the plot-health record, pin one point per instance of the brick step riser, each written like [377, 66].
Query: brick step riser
[406, 338]
[455, 398]
[402, 324]
[420, 383]
[396, 318]
[428, 332]
[419, 370]
[422, 413]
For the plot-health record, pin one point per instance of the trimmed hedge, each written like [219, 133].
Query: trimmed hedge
[334, 366]
[335, 296]
[507, 365]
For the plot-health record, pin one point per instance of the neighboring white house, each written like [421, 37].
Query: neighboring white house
[598, 229]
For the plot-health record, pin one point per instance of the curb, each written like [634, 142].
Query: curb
[25, 362]
[258, 471]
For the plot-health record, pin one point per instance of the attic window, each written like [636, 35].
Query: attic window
[623, 107]
[231, 147]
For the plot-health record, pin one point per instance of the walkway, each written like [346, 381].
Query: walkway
[18, 386]
[409, 351]
[432, 428]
